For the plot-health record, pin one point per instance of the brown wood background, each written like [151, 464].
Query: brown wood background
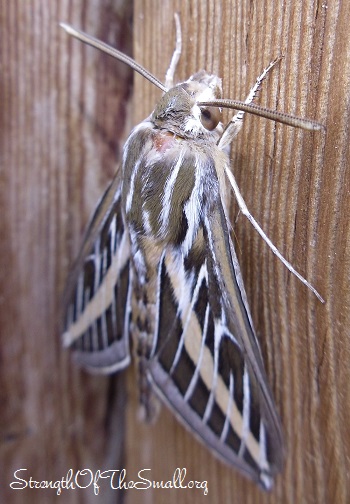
[64, 112]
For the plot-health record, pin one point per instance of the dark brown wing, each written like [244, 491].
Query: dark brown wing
[97, 296]
[206, 363]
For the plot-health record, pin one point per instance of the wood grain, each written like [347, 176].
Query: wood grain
[63, 115]
[58, 151]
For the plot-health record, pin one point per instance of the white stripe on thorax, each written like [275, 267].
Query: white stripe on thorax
[167, 195]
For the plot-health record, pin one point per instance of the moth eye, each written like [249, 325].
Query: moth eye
[210, 117]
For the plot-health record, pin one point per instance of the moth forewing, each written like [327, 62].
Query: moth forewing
[158, 264]
[95, 324]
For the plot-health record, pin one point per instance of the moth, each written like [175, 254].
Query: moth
[158, 264]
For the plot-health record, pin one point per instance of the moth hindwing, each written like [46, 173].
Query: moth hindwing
[158, 263]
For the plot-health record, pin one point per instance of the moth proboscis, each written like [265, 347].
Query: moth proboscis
[158, 263]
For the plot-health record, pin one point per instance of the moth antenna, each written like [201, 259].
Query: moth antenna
[289, 119]
[244, 209]
[169, 77]
[102, 46]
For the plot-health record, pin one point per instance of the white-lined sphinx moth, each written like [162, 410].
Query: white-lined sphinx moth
[158, 262]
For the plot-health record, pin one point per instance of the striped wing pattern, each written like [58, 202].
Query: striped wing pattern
[99, 289]
[199, 363]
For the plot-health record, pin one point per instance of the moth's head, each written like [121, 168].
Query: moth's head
[178, 112]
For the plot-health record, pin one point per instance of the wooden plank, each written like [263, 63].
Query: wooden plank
[58, 152]
[297, 186]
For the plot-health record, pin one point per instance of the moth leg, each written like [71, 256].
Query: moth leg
[169, 76]
[234, 126]
[244, 209]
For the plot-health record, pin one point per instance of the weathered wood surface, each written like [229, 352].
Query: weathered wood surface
[62, 115]
[63, 110]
